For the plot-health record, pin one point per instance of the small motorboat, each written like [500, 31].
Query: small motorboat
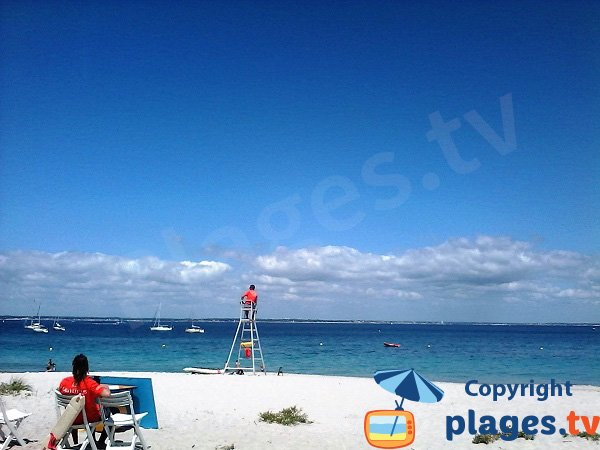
[194, 329]
[390, 344]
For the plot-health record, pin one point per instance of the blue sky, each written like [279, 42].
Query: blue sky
[265, 138]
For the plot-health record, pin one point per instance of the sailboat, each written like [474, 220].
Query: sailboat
[194, 329]
[33, 325]
[37, 326]
[157, 326]
[40, 329]
[57, 326]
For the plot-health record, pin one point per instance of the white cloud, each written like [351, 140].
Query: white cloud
[96, 283]
[480, 271]
[482, 278]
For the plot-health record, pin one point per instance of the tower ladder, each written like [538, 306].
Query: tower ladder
[246, 337]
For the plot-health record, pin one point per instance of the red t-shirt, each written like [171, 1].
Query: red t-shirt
[90, 389]
[251, 296]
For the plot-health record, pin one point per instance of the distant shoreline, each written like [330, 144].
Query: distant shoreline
[324, 321]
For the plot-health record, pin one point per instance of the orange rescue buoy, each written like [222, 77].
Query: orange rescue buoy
[248, 352]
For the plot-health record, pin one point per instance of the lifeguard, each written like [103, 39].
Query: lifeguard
[250, 297]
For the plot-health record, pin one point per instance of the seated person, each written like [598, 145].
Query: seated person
[250, 298]
[82, 383]
[50, 367]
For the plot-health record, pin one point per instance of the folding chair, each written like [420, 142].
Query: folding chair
[11, 418]
[62, 401]
[121, 421]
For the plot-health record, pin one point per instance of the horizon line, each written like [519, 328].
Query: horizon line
[299, 320]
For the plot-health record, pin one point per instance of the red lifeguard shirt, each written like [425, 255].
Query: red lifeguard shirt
[251, 296]
[90, 389]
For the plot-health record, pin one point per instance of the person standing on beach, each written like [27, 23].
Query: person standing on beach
[250, 297]
[82, 383]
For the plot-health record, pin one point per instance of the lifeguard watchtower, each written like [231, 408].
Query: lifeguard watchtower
[247, 342]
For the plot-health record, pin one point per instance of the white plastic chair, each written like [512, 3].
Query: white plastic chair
[120, 421]
[62, 401]
[11, 418]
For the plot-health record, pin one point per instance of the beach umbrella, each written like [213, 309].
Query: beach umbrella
[408, 384]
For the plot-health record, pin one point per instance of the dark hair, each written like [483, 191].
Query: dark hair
[80, 368]
[252, 287]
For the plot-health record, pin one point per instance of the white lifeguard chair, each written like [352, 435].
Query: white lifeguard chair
[246, 340]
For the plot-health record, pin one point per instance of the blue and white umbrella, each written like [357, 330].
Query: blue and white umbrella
[408, 384]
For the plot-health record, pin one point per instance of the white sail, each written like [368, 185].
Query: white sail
[157, 325]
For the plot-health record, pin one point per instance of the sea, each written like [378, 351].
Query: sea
[455, 352]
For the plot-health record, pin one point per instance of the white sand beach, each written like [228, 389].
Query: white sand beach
[215, 411]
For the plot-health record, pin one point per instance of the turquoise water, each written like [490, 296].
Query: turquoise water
[451, 352]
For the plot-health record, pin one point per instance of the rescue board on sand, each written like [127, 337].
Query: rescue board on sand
[203, 371]
[65, 421]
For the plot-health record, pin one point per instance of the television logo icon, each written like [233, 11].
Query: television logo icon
[396, 428]
[389, 428]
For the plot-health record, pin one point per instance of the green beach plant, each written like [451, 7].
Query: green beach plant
[15, 386]
[527, 437]
[485, 438]
[489, 438]
[585, 435]
[287, 416]
[225, 447]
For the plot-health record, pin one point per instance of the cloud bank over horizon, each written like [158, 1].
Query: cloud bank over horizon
[475, 279]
